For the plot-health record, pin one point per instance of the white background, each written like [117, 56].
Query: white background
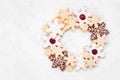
[21, 54]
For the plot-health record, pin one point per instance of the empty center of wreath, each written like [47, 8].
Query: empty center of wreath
[75, 41]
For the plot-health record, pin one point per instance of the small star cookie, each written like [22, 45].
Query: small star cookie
[55, 28]
[69, 68]
[94, 20]
[64, 14]
[58, 50]
[72, 23]
[92, 62]
[89, 61]
[84, 27]
[100, 41]
[71, 59]
[48, 51]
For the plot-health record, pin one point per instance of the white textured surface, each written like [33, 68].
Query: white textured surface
[21, 55]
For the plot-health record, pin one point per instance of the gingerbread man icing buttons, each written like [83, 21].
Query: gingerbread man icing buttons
[69, 19]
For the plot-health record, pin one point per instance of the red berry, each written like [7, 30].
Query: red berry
[94, 51]
[52, 41]
[82, 17]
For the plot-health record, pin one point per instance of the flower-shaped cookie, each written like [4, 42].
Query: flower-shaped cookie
[50, 41]
[82, 17]
[95, 51]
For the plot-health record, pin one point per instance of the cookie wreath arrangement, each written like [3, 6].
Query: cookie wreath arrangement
[68, 19]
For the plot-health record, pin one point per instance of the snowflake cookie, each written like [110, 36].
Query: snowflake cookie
[68, 19]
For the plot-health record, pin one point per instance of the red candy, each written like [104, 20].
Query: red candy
[52, 41]
[82, 17]
[94, 51]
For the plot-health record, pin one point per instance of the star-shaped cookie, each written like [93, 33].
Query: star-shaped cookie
[94, 20]
[100, 41]
[55, 28]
